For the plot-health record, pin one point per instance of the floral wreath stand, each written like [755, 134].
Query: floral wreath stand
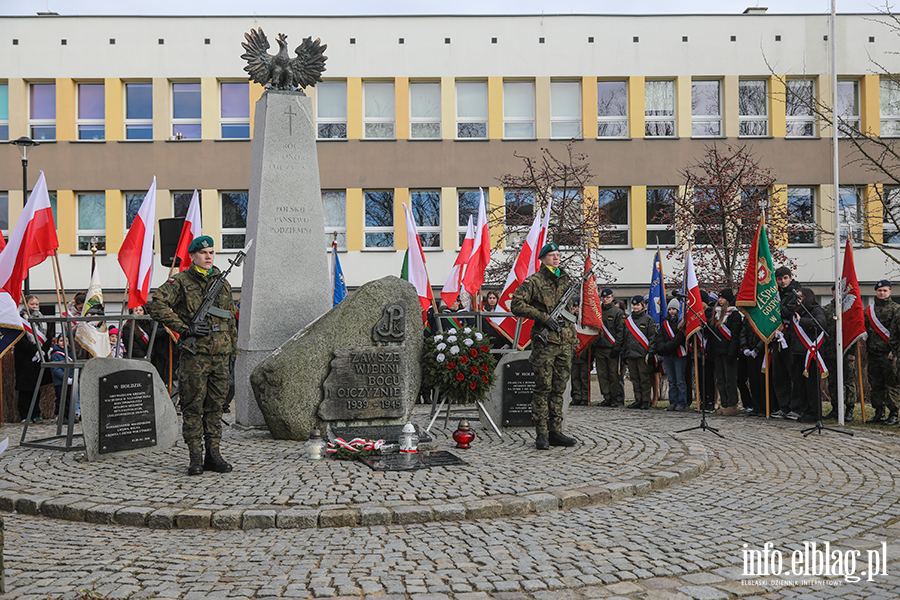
[436, 412]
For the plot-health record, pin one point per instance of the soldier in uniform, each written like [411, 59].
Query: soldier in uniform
[607, 350]
[883, 329]
[639, 349]
[581, 373]
[535, 299]
[203, 377]
[829, 352]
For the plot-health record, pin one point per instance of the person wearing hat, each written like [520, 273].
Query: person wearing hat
[724, 346]
[535, 299]
[608, 349]
[671, 348]
[203, 377]
[883, 346]
[638, 347]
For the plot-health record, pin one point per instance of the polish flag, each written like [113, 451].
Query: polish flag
[416, 272]
[136, 253]
[693, 319]
[189, 231]
[481, 252]
[542, 238]
[454, 286]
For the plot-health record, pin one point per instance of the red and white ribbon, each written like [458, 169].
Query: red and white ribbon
[637, 333]
[354, 445]
[682, 351]
[880, 329]
[812, 349]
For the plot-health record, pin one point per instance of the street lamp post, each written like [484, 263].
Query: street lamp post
[24, 144]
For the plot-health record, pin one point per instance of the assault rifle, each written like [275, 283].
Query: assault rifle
[560, 309]
[206, 307]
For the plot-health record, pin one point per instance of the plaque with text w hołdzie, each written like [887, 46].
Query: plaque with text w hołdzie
[127, 411]
[364, 383]
[518, 386]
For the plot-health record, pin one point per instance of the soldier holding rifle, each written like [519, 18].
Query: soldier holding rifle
[198, 305]
[552, 341]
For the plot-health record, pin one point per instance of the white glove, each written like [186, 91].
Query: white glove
[36, 357]
[748, 353]
[70, 381]
[753, 353]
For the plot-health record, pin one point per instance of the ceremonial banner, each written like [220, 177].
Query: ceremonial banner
[694, 315]
[136, 253]
[414, 265]
[340, 286]
[93, 336]
[854, 320]
[758, 295]
[590, 316]
[656, 303]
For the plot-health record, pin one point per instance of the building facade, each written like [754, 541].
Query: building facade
[425, 110]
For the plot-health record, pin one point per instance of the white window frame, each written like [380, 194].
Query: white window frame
[367, 229]
[660, 119]
[431, 120]
[563, 120]
[466, 122]
[619, 227]
[510, 120]
[890, 118]
[461, 229]
[32, 122]
[890, 195]
[805, 226]
[606, 120]
[753, 120]
[184, 121]
[852, 119]
[514, 235]
[223, 231]
[125, 226]
[382, 119]
[661, 226]
[79, 122]
[858, 215]
[429, 229]
[330, 120]
[88, 233]
[803, 120]
[340, 231]
[4, 208]
[136, 122]
[234, 120]
[703, 120]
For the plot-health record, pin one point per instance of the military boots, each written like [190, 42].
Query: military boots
[214, 460]
[196, 466]
[848, 414]
[879, 415]
[893, 417]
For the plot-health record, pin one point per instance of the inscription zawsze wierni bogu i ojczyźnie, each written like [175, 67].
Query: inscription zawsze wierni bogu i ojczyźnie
[364, 383]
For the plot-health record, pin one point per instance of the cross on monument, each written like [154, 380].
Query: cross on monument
[290, 113]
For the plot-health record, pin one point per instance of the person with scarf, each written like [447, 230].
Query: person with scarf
[639, 351]
[882, 344]
[670, 346]
[28, 352]
[724, 345]
[807, 361]
[608, 349]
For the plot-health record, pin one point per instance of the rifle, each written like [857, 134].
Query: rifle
[560, 309]
[202, 314]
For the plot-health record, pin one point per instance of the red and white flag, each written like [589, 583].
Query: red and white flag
[454, 286]
[694, 311]
[136, 253]
[590, 315]
[542, 238]
[853, 323]
[190, 230]
[417, 275]
[481, 251]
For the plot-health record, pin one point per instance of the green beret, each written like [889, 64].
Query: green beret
[548, 248]
[200, 242]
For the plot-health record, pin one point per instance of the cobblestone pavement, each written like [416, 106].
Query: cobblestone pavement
[765, 484]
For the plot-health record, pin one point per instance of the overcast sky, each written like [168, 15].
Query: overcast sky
[458, 7]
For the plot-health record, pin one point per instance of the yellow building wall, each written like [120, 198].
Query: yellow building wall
[449, 216]
[115, 221]
[639, 215]
[683, 124]
[114, 119]
[18, 109]
[256, 92]
[448, 109]
[589, 107]
[209, 108]
[874, 211]
[636, 122]
[355, 219]
[495, 108]
[354, 109]
[401, 108]
[824, 215]
[401, 197]
[730, 120]
[65, 110]
[869, 104]
[162, 128]
[542, 107]
[210, 215]
[65, 213]
[495, 202]
[777, 122]
[779, 206]
[163, 211]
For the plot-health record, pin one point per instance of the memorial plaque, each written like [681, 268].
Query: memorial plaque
[127, 411]
[518, 385]
[364, 383]
[412, 461]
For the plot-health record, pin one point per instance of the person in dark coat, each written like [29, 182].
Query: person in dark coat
[62, 377]
[28, 352]
[753, 348]
[671, 348]
[638, 350]
[788, 290]
[808, 325]
[724, 347]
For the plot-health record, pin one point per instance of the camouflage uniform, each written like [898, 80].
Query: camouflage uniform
[202, 377]
[883, 377]
[829, 353]
[640, 368]
[535, 299]
[581, 377]
[607, 355]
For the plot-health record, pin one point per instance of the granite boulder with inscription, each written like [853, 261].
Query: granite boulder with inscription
[288, 385]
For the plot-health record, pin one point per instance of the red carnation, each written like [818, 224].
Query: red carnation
[474, 370]
[451, 366]
[485, 349]
[460, 376]
[473, 352]
[484, 367]
[463, 359]
[485, 378]
[472, 385]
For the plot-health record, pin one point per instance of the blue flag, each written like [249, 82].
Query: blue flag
[340, 287]
[656, 303]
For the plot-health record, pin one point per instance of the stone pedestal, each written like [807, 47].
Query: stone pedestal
[286, 282]
[509, 397]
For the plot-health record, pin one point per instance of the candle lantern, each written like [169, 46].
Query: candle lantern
[463, 435]
[409, 439]
[315, 446]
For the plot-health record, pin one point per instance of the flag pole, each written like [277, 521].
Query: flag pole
[862, 395]
[696, 374]
[768, 363]
[838, 306]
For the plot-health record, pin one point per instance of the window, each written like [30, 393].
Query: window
[425, 206]
[53, 209]
[186, 111]
[334, 204]
[799, 104]
[471, 109]
[331, 110]
[132, 206]
[801, 216]
[378, 121]
[181, 201]
[891, 203]
[425, 110]
[848, 107]
[234, 115]
[851, 208]
[890, 107]
[467, 205]
[753, 108]
[138, 111]
[378, 227]
[660, 216]
[42, 111]
[4, 111]
[612, 109]
[566, 218]
[91, 111]
[518, 109]
[234, 220]
[91, 221]
[519, 215]
[659, 108]
[706, 109]
[613, 206]
[565, 109]
[4, 215]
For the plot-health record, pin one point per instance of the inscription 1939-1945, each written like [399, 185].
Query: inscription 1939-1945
[364, 383]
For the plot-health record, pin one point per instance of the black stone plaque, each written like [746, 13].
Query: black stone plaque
[389, 433]
[127, 411]
[412, 461]
[364, 383]
[518, 385]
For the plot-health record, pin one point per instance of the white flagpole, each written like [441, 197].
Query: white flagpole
[839, 300]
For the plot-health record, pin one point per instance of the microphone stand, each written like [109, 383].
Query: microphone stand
[703, 426]
[819, 330]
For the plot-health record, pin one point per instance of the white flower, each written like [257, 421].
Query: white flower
[468, 342]
[438, 338]
[454, 349]
[440, 357]
[451, 338]
[441, 346]
[467, 330]
[478, 336]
